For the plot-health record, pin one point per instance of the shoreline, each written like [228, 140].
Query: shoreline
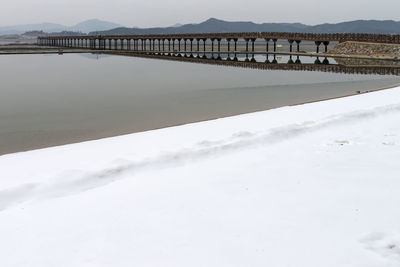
[61, 143]
[358, 93]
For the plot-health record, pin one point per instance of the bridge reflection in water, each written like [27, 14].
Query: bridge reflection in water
[280, 62]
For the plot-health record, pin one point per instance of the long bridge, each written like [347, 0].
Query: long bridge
[212, 41]
[197, 48]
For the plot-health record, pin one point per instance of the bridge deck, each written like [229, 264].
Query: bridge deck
[362, 37]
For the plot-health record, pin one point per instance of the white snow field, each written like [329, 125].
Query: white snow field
[309, 185]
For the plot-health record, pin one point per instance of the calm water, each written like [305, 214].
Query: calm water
[52, 100]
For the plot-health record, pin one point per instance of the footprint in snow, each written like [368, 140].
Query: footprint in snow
[389, 143]
[342, 142]
[385, 244]
[242, 134]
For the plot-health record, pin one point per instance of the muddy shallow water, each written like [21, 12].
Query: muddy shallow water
[48, 100]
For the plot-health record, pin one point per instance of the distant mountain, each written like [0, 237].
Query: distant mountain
[18, 29]
[98, 27]
[215, 25]
[84, 27]
[177, 25]
[210, 25]
[360, 26]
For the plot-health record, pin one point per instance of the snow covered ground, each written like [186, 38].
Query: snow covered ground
[310, 185]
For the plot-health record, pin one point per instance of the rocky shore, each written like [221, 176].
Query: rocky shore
[367, 49]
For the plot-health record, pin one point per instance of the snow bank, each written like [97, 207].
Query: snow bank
[310, 185]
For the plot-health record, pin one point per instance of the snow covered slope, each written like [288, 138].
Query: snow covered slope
[310, 185]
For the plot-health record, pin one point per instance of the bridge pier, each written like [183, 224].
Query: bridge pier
[267, 45]
[326, 43]
[185, 40]
[198, 44]
[247, 45]
[298, 45]
[274, 61]
[267, 59]
[252, 44]
[290, 45]
[235, 57]
[318, 43]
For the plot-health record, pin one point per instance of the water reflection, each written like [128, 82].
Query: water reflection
[283, 62]
[72, 98]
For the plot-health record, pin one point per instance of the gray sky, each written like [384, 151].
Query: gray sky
[148, 13]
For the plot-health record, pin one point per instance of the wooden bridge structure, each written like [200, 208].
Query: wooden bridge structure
[209, 42]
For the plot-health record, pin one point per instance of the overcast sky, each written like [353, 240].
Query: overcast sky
[149, 13]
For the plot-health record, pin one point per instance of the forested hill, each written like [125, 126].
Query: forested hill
[215, 25]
